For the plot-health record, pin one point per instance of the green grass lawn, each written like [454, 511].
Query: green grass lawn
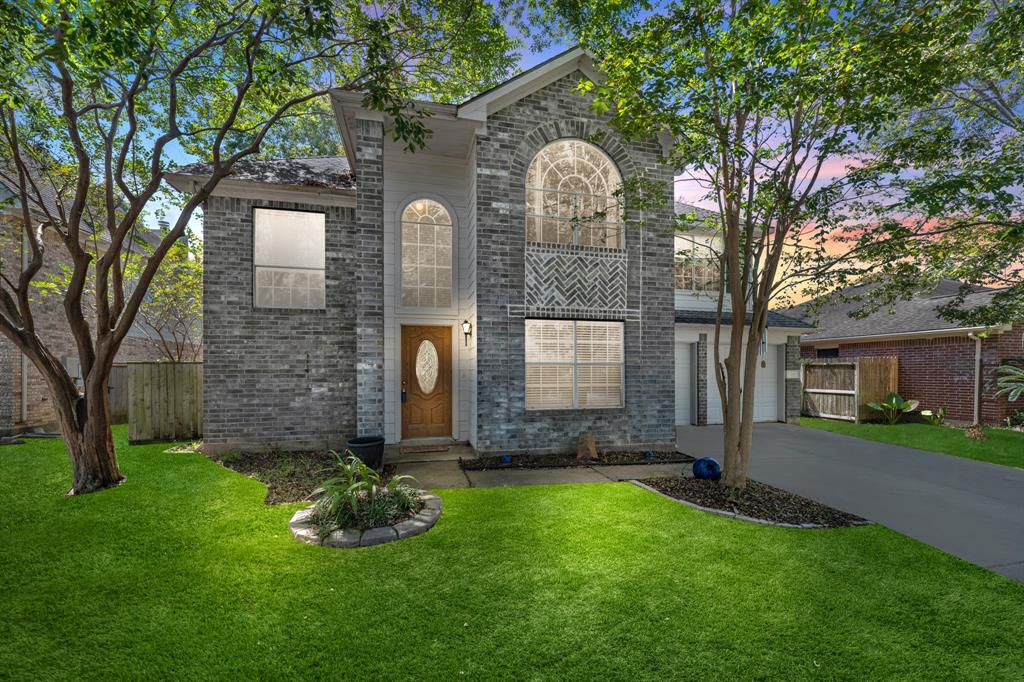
[183, 572]
[1002, 447]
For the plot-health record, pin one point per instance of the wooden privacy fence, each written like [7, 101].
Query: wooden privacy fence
[117, 389]
[842, 388]
[165, 401]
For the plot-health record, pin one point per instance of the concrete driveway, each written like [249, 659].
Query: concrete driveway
[973, 510]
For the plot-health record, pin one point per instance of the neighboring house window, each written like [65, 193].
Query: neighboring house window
[426, 255]
[828, 353]
[570, 196]
[289, 258]
[697, 272]
[573, 364]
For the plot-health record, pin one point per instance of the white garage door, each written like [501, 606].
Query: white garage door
[766, 389]
[684, 387]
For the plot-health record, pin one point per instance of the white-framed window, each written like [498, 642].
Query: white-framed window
[426, 255]
[571, 188]
[697, 269]
[574, 364]
[697, 274]
[289, 258]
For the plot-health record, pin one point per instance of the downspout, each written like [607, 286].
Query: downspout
[24, 358]
[977, 376]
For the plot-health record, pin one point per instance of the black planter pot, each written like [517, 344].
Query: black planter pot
[370, 449]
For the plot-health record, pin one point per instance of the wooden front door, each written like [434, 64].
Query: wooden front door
[426, 382]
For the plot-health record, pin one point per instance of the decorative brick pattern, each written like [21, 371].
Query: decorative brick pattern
[514, 135]
[368, 272]
[559, 278]
[939, 372]
[276, 378]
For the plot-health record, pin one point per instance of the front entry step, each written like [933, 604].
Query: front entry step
[393, 453]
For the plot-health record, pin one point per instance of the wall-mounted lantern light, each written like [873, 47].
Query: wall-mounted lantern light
[467, 330]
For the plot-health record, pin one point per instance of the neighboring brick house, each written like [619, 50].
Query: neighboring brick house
[25, 403]
[485, 289]
[941, 363]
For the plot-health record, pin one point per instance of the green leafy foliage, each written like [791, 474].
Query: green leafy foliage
[100, 100]
[358, 498]
[894, 407]
[763, 101]
[1010, 381]
[934, 417]
[938, 189]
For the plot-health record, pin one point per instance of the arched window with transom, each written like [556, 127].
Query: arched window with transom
[571, 196]
[426, 255]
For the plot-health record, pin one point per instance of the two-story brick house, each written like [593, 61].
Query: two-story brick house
[488, 289]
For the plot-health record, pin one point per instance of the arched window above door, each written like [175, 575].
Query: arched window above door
[426, 255]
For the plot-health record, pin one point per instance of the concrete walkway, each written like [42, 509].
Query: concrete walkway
[973, 510]
[434, 475]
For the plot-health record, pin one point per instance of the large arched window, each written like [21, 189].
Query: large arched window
[570, 196]
[426, 255]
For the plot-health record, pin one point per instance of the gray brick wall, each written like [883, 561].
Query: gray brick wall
[702, 379]
[794, 387]
[276, 378]
[368, 273]
[514, 135]
[8, 356]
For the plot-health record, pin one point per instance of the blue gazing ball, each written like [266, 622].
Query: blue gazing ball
[648, 454]
[506, 459]
[707, 469]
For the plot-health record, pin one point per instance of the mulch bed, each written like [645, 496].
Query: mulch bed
[569, 460]
[758, 501]
[289, 476]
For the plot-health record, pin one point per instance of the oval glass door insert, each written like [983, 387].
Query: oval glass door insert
[426, 366]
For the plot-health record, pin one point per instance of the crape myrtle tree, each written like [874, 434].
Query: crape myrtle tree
[762, 98]
[941, 188]
[96, 98]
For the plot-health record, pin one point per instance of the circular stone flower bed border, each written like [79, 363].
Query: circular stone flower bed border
[306, 531]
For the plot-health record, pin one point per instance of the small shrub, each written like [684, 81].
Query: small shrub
[894, 407]
[1015, 420]
[357, 498]
[935, 418]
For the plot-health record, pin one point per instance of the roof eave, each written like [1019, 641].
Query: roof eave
[253, 189]
[896, 336]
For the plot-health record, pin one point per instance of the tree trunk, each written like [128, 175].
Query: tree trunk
[85, 426]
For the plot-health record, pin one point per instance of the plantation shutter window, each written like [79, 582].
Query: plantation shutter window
[289, 259]
[574, 364]
[426, 255]
[572, 192]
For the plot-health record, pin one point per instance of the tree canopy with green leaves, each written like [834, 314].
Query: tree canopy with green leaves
[96, 98]
[761, 97]
[941, 188]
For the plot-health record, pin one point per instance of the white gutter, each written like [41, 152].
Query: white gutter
[977, 376]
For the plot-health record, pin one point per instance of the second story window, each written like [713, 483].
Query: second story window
[571, 197]
[289, 259]
[697, 269]
[426, 255]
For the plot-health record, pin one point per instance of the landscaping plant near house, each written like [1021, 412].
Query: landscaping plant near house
[358, 498]
[1015, 420]
[894, 407]
[1010, 382]
[935, 418]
